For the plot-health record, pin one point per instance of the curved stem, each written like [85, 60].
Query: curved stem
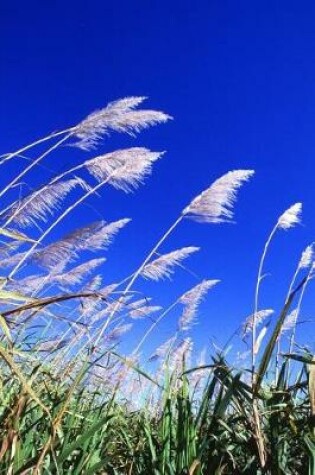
[280, 334]
[55, 223]
[41, 190]
[137, 273]
[259, 278]
[33, 164]
[151, 328]
[34, 144]
[298, 308]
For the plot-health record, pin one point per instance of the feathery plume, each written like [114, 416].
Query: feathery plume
[94, 284]
[54, 256]
[144, 311]
[89, 306]
[5, 250]
[30, 284]
[117, 332]
[12, 260]
[104, 293]
[38, 206]
[77, 274]
[117, 305]
[256, 319]
[181, 352]
[8, 248]
[215, 205]
[107, 290]
[307, 257]
[162, 350]
[191, 300]
[95, 236]
[103, 237]
[124, 169]
[199, 375]
[290, 217]
[119, 116]
[163, 266]
[139, 303]
[290, 321]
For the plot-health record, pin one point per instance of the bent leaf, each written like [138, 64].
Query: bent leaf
[16, 235]
[16, 296]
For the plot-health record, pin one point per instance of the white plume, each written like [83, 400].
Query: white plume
[162, 350]
[215, 204]
[307, 257]
[163, 266]
[290, 217]
[290, 321]
[119, 116]
[117, 332]
[191, 300]
[95, 236]
[124, 169]
[77, 274]
[39, 206]
[144, 311]
[181, 352]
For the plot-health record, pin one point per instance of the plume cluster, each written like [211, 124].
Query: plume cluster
[181, 354]
[119, 331]
[290, 321]
[77, 274]
[162, 351]
[290, 217]
[191, 301]
[163, 266]
[95, 236]
[124, 169]
[215, 204]
[307, 257]
[40, 206]
[144, 311]
[30, 284]
[119, 116]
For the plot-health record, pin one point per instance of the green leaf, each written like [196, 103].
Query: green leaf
[265, 360]
[16, 235]
[301, 358]
[5, 328]
[16, 296]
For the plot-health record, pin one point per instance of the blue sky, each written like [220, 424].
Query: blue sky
[239, 80]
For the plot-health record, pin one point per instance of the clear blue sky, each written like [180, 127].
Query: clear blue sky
[239, 79]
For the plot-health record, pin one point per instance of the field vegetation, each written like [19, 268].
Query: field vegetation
[71, 402]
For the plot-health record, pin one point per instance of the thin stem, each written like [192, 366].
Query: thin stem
[55, 223]
[298, 309]
[41, 190]
[280, 334]
[151, 328]
[33, 164]
[256, 417]
[259, 278]
[34, 144]
[137, 273]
